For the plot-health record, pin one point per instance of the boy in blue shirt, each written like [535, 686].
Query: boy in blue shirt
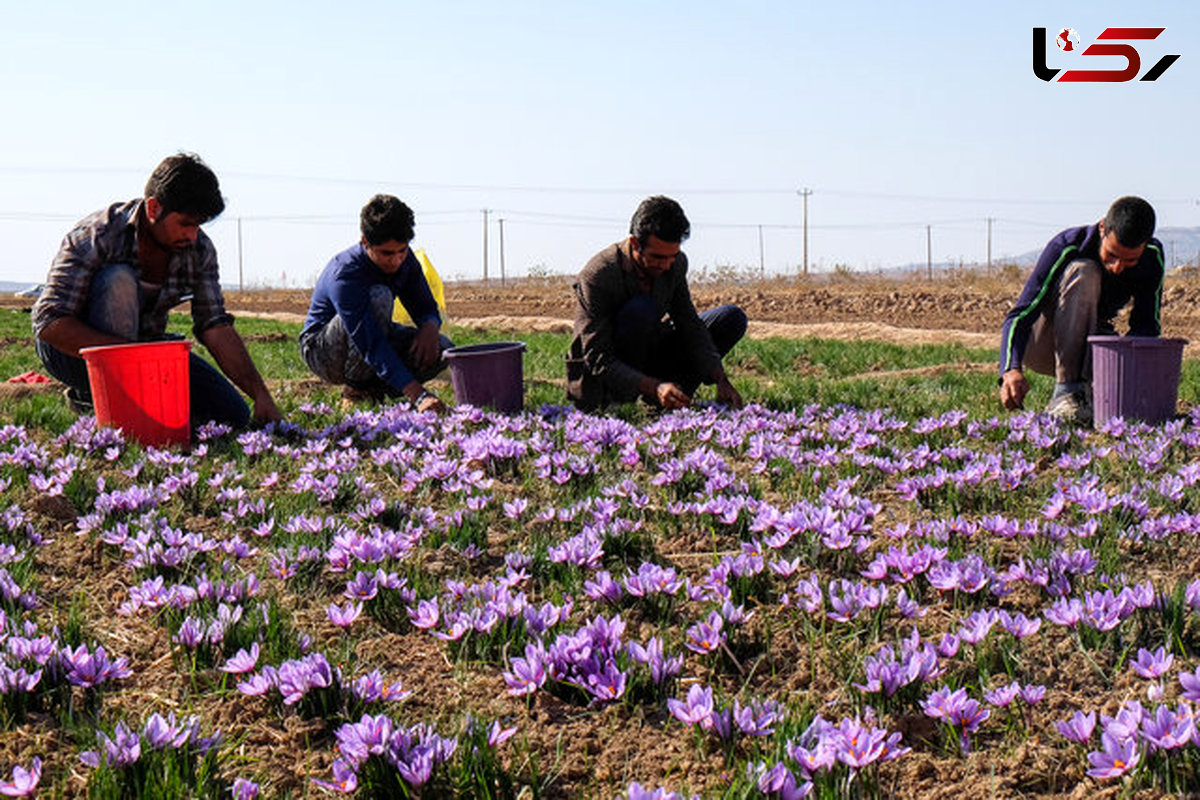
[349, 337]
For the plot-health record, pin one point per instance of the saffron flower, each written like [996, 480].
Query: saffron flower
[1152, 665]
[344, 617]
[24, 781]
[696, 710]
[1079, 727]
[1116, 757]
[242, 661]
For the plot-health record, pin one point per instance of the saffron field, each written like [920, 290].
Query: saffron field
[868, 586]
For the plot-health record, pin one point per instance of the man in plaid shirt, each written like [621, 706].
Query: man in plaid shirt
[122, 269]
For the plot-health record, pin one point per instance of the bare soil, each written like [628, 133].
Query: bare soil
[967, 307]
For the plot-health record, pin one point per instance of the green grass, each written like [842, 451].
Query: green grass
[780, 373]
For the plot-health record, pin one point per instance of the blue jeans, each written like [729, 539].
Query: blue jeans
[114, 306]
[655, 347]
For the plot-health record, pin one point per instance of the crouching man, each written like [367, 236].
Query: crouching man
[637, 332]
[1083, 278]
[349, 338]
[121, 271]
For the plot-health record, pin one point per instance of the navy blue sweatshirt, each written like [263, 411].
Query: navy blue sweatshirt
[1141, 283]
[344, 289]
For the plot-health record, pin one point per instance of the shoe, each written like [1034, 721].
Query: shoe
[357, 394]
[1075, 407]
[81, 404]
[353, 396]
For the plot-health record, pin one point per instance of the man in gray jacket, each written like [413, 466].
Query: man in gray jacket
[637, 332]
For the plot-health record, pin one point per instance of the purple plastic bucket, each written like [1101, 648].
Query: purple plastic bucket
[488, 375]
[1135, 377]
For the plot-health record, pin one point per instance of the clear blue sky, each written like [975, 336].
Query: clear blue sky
[559, 117]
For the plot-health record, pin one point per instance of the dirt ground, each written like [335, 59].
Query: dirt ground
[966, 307]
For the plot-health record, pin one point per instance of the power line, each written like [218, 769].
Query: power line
[549, 189]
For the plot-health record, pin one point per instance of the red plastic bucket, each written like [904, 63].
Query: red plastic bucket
[488, 375]
[142, 389]
[1135, 377]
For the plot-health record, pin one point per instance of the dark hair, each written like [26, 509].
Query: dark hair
[384, 219]
[185, 184]
[1131, 219]
[661, 217]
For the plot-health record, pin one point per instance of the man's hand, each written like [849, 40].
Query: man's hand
[1013, 388]
[265, 410]
[726, 394]
[426, 346]
[422, 398]
[670, 396]
[431, 402]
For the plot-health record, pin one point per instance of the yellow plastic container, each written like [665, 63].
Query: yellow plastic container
[400, 315]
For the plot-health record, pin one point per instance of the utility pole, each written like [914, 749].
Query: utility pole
[485, 211]
[929, 250]
[762, 268]
[501, 221]
[989, 245]
[241, 276]
[804, 193]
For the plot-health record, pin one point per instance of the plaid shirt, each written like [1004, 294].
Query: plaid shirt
[109, 237]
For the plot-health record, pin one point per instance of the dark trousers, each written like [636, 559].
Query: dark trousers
[652, 345]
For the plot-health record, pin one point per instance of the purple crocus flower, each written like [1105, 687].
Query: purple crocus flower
[1032, 695]
[1079, 727]
[529, 673]
[344, 617]
[244, 789]
[1066, 611]
[498, 735]
[1152, 665]
[1190, 681]
[607, 682]
[1167, 729]
[706, 636]
[345, 779]
[425, 615]
[756, 718]
[697, 709]
[123, 749]
[636, 792]
[778, 780]
[364, 586]
[190, 633]
[947, 646]
[242, 661]
[662, 668]
[161, 732]
[858, 745]
[91, 669]
[297, 678]
[1127, 722]
[1116, 757]
[1019, 625]
[603, 587]
[24, 781]
[1002, 696]
[257, 685]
